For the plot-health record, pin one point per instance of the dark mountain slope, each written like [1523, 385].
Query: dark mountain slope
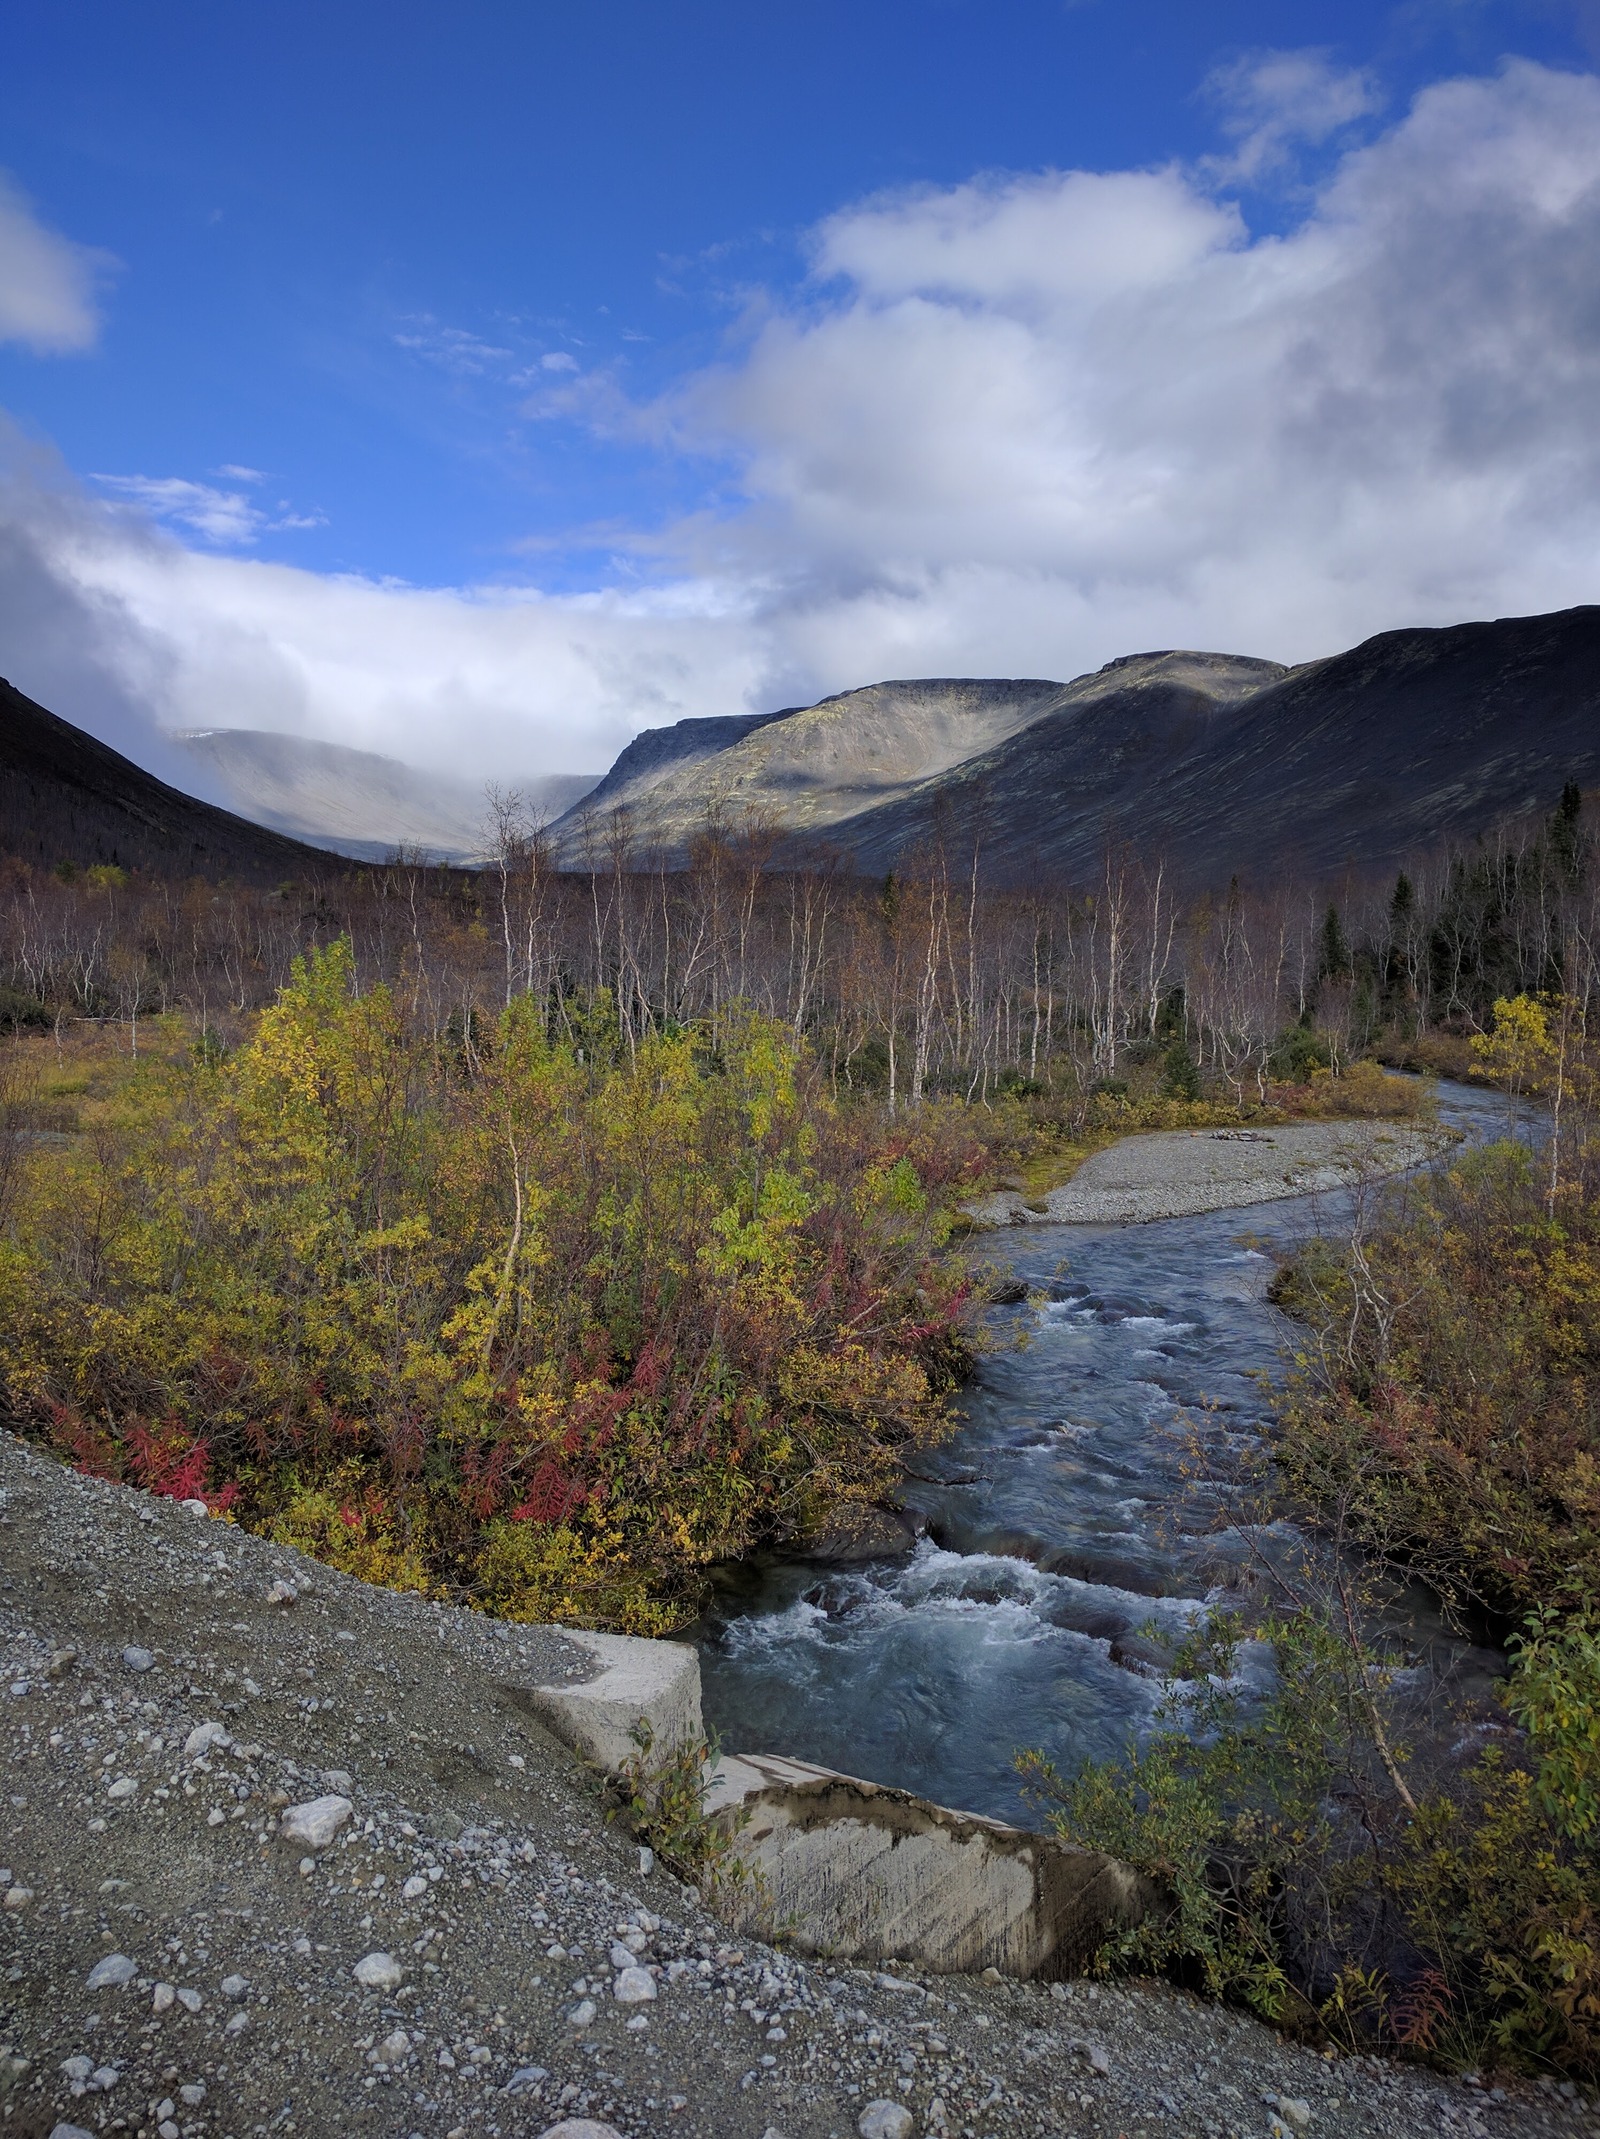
[1410, 736]
[66, 798]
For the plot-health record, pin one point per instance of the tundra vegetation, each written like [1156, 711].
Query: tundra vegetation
[541, 1239]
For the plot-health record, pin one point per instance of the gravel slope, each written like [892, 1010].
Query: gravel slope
[475, 1878]
[1178, 1173]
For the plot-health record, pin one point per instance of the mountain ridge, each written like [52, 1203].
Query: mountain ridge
[1207, 763]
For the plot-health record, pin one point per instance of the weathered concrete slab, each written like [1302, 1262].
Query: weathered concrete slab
[854, 1870]
[656, 1680]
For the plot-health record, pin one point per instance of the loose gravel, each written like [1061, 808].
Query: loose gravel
[315, 1868]
[1180, 1173]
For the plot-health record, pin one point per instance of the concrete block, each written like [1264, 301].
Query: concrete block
[658, 1680]
[856, 1871]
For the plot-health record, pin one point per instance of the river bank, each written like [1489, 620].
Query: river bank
[480, 1864]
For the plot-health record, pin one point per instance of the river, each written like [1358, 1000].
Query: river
[1060, 1524]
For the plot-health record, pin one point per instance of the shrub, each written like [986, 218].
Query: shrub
[1312, 1877]
[556, 1324]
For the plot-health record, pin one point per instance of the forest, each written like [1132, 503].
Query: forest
[929, 982]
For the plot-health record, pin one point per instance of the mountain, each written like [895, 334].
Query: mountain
[804, 769]
[66, 798]
[1354, 760]
[1210, 763]
[355, 801]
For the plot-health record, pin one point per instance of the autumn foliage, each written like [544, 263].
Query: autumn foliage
[549, 1323]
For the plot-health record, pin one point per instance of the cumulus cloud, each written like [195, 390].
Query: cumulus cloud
[47, 283]
[1052, 418]
[1014, 426]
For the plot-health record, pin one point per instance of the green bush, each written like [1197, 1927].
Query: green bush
[1310, 1875]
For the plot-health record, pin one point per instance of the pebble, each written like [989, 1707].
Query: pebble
[194, 1507]
[138, 1659]
[394, 2049]
[582, 2014]
[885, 2120]
[202, 1738]
[634, 1986]
[111, 1973]
[1295, 2112]
[379, 1971]
[234, 1986]
[568, 2128]
[314, 1824]
[69, 2131]
[18, 1897]
[283, 1593]
[123, 1788]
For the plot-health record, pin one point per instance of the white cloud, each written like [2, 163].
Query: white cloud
[226, 518]
[1273, 101]
[453, 349]
[1058, 417]
[1015, 426]
[47, 283]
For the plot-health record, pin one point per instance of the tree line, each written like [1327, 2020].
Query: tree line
[931, 981]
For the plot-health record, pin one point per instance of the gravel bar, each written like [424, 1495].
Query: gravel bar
[1180, 1173]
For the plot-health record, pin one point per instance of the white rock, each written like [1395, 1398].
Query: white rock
[111, 1973]
[314, 1824]
[105, 2078]
[190, 2000]
[194, 1507]
[885, 2120]
[69, 2131]
[18, 1897]
[237, 2025]
[283, 1593]
[379, 1971]
[1295, 2112]
[413, 1887]
[194, 2094]
[621, 1956]
[572, 2128]
[162, 1998]
[123, 1788]
[77, 2068]
[634, 1986]
[582, 2014]
[394, 2049]
[202, 1738]
[138, 1659]
[234, 1986]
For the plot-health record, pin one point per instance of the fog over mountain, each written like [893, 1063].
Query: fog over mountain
[356, 802]
[1206, 765]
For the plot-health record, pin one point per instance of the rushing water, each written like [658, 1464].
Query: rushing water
[1060, 1526]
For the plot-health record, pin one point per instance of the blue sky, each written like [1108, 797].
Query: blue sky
[568, 324]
